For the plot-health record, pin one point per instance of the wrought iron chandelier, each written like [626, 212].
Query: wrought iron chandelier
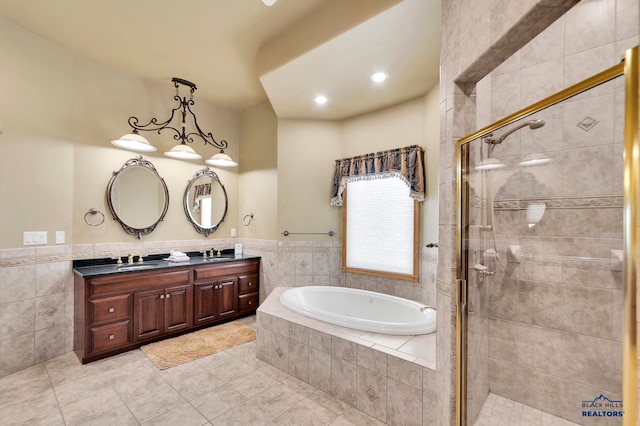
[135, 142]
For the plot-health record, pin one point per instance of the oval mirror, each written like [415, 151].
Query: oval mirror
[205, 201]
[137, 197]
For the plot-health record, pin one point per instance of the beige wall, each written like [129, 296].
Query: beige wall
[414, 122]
[307, 150]
[258, 189]
[55, 158]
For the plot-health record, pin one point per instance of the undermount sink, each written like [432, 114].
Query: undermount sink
[135, 267]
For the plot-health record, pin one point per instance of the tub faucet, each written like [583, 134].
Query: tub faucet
[424, 308]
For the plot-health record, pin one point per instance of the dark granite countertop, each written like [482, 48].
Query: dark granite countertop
[88, 268]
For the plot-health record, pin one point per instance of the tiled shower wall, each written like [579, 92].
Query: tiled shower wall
[36, 286]
[482, 36]
[553, 321]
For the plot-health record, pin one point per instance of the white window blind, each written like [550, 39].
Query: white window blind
[380, 226]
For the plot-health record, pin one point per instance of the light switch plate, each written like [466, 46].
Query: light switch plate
[34, 238]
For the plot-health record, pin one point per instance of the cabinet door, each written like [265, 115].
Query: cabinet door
[205, 299]
[149, 314]
[178, 308]
[227, 297]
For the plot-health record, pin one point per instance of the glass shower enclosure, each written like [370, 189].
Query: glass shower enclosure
[546, 320]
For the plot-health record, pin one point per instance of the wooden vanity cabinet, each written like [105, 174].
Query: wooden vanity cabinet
[162, 311]
[219, 290]
[119, 312]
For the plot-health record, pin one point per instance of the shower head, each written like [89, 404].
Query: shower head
[532, 124]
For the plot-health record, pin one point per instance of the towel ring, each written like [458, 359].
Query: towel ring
[93, 211]
[244, 219]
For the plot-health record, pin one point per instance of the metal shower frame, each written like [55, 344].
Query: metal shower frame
[629, 68]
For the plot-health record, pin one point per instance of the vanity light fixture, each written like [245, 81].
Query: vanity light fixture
[379, 77]
[134, 142]
[182, 151]
[221, 160]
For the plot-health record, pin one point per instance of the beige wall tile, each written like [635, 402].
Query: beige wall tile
[371, 394]
[576, 309]
[343, 380]
[17, 353]
[404, 403]
[590, 24]
[299, 360]
[320, 369]
[580, 358]
[17, 283]
[17, 318]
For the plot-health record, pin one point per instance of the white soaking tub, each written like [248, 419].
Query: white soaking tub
[361, 309]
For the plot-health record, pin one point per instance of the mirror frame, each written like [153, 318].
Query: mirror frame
[137, 162]
[200, 173]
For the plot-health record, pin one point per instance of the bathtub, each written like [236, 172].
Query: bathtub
[361, 309]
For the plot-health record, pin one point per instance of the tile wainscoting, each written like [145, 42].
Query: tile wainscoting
[36, 285]
[391, 378]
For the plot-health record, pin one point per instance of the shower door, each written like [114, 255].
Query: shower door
[546, 260]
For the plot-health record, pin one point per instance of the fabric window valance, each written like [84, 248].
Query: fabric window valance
[405, 163]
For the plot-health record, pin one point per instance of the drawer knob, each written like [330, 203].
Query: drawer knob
[249, 301]
[112, 310]
[112, 336]
[168, 296]
[249, 283]
[162, 296]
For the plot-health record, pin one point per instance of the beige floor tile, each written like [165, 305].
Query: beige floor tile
[23, 385]
[184, 415]
[154, 403]
[218, 402]
[252, 384]
[92, 406]
[32, 410]
[277, 399]
[131, 390]
[308, 413]
[121, 416]
[245, 414]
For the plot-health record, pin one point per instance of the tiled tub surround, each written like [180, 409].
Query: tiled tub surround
[391, 378]
[36, 285]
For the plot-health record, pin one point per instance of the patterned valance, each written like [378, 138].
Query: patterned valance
[404, 163]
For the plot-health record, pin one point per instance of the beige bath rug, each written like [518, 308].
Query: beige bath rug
[188, 347]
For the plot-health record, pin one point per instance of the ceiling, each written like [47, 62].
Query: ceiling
[241, 52]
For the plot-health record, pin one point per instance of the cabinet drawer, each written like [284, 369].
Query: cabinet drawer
[248, 302]
[110, 308]
[110, 336]
[248, 284]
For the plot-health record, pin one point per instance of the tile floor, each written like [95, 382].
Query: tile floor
[228, 388]
[500, 411]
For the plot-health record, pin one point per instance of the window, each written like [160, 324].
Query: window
[380, 228]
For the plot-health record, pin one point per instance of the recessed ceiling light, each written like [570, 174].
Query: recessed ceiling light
[321, 99]
[269, 2]
[379, 77]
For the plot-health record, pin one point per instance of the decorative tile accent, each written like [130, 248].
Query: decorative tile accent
[587, 123]
[371, 394]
